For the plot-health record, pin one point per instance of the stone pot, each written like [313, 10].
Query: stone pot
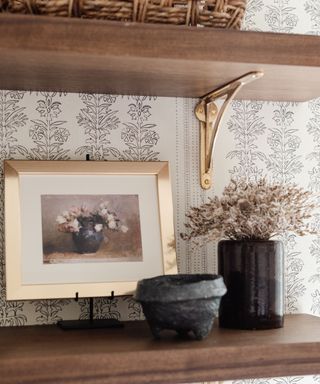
[182, 303]
[253, 272]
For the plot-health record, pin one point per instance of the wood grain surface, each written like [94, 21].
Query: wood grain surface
[46, 354]
[62, 54]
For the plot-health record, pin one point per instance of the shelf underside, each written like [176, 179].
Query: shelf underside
[73, 55]
[46, 354]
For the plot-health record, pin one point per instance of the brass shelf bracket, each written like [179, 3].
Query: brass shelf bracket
[210, 116]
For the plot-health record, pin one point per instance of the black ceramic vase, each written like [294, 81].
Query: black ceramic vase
[87, 240]
[253, 274]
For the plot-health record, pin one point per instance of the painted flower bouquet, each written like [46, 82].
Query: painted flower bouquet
[87, 225]
[103, 217]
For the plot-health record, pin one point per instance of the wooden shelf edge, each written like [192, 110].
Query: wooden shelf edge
[48, 355]
[76, 55]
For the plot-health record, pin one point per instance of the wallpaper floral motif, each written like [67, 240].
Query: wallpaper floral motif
[280, 16]
[280, 140]
[139, 135]
[313, 128]
[254, 7]
[97, 119]
[246, 125]
[284, 163]
[47, 132]
[48, 311]
[312, 8]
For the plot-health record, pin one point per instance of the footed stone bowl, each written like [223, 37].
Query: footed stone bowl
[184, 303]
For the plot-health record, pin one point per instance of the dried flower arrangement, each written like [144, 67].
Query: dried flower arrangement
[77, 218]
[251, 211]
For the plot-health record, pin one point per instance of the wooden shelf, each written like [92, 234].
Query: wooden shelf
[46, 354]
[74, 55]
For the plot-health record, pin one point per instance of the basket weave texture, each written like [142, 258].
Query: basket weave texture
[208, 13]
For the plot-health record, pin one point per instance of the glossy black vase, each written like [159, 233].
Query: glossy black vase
[87, 240]
[253, 274]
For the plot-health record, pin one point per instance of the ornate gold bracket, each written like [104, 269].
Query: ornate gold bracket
[210, 116]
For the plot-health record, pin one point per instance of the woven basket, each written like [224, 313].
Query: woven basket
[208, 13]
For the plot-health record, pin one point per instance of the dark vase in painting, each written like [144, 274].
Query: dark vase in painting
[87, 240]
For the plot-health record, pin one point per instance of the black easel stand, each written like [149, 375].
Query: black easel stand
[91, 323]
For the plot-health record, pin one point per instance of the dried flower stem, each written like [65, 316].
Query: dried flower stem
[251, 211]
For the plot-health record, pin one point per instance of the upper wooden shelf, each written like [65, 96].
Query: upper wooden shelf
[74, 55]
[46, 354]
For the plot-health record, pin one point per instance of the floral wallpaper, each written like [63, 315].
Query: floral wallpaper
[280, 140]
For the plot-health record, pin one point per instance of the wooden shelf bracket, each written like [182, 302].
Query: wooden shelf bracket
[210, 117]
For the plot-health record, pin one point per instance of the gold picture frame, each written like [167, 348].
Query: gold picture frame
[41, 263]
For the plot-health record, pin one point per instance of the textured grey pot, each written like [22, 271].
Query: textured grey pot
[182, 303]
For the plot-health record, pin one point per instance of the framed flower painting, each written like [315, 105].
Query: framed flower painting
[86, 227]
